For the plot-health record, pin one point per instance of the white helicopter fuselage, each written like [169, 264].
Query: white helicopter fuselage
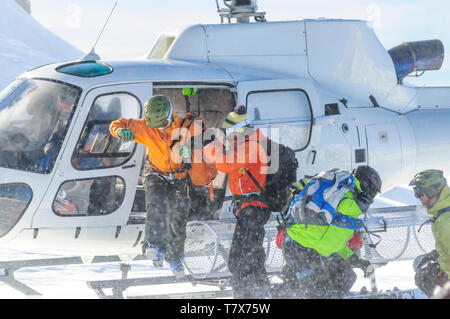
[311, 84]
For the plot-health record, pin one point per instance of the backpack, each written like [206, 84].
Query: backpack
[317, 203]
[276, 193]
[277, 184]
[201, 174]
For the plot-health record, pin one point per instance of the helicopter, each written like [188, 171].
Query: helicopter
[326, 88]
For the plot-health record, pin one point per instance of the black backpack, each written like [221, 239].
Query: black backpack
[277, 192]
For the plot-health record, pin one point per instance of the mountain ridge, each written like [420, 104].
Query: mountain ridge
[26, 44]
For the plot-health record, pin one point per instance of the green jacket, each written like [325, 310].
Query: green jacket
[441, 229]
[328, 239]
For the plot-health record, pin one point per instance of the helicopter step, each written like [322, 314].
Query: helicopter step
[394, 294]
[118, 287]
[208, 243]
[8, 268]
[392, 235]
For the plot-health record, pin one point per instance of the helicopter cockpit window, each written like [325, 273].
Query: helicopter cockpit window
[284, 116]
[97, 148]
[34, 118]
[89, 197]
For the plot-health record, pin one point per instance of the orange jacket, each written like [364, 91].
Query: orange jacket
[249, 154]
[162, 150]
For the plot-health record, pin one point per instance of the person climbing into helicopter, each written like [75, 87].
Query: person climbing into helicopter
[240, 155]
[432, 269]
[319, 252]
[168, 139]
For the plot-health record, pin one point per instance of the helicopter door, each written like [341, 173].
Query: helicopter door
[97, 175]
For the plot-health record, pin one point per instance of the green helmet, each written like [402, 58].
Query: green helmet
[429, 182]
[158, 111]
[237, 120]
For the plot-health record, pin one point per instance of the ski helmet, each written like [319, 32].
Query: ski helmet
[158, 111]
[237, 120]
[369, 180]
[429, 182]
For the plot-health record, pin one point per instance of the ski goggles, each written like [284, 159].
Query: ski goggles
[418, 191]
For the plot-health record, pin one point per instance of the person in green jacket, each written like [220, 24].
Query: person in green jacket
[432, 269]
[318, 260]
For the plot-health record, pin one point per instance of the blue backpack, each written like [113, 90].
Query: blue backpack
[317, 203]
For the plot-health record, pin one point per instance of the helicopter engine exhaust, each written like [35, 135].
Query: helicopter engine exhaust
[417, 56]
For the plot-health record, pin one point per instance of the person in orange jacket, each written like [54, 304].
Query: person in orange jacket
[166, 137]
[245, 162]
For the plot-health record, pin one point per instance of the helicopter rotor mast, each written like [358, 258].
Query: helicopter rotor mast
[241, 10]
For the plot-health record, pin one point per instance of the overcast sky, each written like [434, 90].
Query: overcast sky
[135, 24]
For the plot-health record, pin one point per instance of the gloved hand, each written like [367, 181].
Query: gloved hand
[126, 135]
[356, 242]
[298, 186]
[221, 140]
[356, 262]
[185, 151]
[422, 260]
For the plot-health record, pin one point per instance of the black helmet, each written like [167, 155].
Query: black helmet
[369, 180]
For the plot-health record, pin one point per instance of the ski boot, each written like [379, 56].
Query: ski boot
[177, 269]
[155, 254]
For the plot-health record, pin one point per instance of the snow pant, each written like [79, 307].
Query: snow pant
[247, 256]
[202, 208]
[429, 277]
[306, 274]
[167, 206]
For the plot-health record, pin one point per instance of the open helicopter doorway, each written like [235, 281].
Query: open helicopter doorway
[211, 103]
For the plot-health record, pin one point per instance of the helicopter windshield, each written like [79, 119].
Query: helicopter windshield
[34, 117]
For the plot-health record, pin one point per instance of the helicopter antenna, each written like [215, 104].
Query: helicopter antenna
[92, 55]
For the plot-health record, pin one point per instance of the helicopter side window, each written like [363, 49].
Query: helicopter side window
[89, 197]
[96, 147]
[284, 115]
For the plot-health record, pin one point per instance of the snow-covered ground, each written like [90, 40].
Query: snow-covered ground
[69, 281]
